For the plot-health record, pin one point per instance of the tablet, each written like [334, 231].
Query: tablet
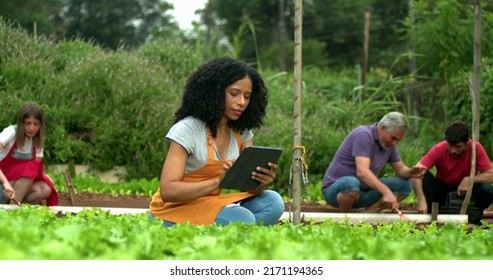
[239, 176]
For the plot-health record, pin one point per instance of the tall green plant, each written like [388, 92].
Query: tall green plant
[460, 102]
[444, 36]
[239, 39]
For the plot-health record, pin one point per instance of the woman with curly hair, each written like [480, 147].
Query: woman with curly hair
[224, 100]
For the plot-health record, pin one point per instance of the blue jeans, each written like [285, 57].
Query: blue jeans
[367, 196]
[2, 197]
[265, 208]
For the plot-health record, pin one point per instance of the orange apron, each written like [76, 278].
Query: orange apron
[203, 210]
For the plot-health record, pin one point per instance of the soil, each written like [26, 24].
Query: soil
[104, 200]
[140, 201]
[88, 199]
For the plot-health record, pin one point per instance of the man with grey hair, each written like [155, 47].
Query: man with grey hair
[351, 180]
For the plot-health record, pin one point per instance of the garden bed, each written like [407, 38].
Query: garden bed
[87, 199]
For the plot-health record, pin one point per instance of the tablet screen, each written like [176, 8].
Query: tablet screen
[239, 176]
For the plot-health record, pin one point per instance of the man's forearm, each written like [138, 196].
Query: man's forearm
[372, 181]
[418, 189]
[404, 172]
[485, 177]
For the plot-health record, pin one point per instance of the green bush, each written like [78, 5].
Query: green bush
[459, 102]
[314, 54]
[103, 108]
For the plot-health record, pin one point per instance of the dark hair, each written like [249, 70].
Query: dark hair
[30, 109]
[457, 132]
[204, 96]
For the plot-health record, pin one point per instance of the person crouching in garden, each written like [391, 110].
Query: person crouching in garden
[224, 100]
[452, 159]
[21, 151]
[6, 189]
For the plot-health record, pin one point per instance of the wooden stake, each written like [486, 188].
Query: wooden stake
[71, 190]
[474, 90]
[364, 59]
[434, 211]
[297, 153]
[35, 30]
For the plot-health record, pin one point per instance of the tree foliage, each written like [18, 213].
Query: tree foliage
[337, 24]
[444, 43]
[111, 24]
[115, 23]
[24, 13]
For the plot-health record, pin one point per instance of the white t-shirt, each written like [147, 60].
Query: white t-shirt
[7, 137]
[191, 134]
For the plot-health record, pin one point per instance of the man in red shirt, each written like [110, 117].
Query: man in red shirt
[452, 159]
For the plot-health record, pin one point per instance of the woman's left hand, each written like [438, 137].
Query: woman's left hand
[265, 176]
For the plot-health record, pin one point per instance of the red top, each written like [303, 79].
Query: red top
[451, 170]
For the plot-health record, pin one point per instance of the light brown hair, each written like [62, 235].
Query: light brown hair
[30, 109]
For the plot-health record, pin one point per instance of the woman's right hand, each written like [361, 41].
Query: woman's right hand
[8, 191]
[226, 167]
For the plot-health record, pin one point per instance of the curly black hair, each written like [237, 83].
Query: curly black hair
[204, 96]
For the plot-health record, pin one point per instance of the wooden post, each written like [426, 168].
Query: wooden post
[71, 190]
[35, 30]
[434, 211]
[412, 67]
[412, 58]
[282, 35]
[475, 99]
[297, 153]
[364, 58]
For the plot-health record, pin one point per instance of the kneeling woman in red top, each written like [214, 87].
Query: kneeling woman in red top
[21, 150]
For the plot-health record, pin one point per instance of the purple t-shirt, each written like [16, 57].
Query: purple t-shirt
[362, 141]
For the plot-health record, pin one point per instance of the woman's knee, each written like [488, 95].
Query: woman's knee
[43, 189]
[267, 207]
[234, 213]
[165, 223]
[274, 200]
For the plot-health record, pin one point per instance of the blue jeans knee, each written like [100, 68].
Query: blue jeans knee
[368, 196]
[267, 207]
[398, 185]
[342, 185]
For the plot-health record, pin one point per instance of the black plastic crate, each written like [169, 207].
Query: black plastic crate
[453, 204]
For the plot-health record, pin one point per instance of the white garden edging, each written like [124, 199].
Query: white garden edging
[352, 218]
[355, 218]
